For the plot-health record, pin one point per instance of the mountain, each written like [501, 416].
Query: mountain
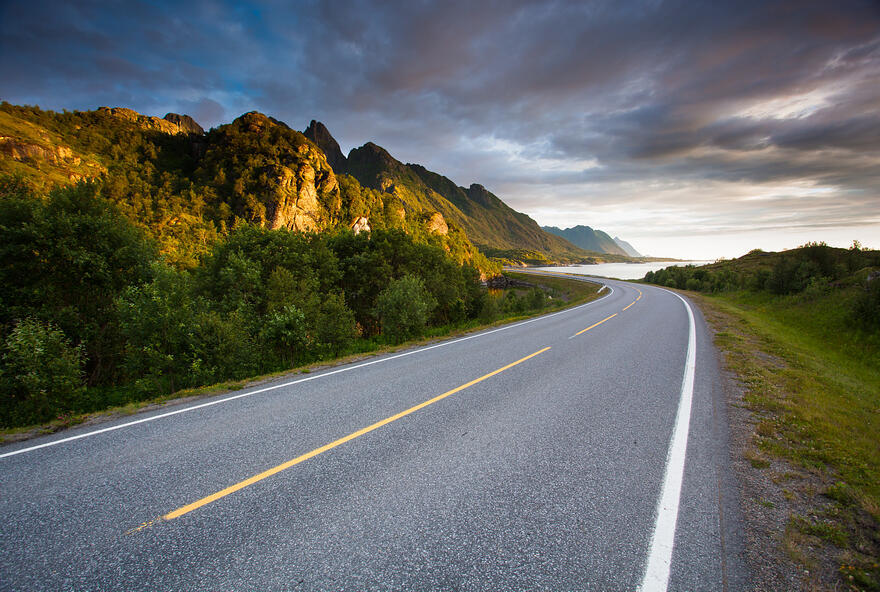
[320, 135]
[187, 187]
[496, 228]
[589, 239]
[627, 248]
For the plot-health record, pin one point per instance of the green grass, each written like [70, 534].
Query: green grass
[812, 381]
[570, 290]
[41, 173]
[828, 388]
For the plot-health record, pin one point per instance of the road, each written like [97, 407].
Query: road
[528, 457]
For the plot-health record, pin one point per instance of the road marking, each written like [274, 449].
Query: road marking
[241, 485]
[595, 325]
[292, 382]
[628, 305]
[660, 555]
[640, 295]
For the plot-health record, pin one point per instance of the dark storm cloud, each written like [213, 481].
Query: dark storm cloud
[560, 94]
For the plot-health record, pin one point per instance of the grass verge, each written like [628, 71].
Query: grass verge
[813, 391]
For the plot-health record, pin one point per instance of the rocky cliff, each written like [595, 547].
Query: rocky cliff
[320, 135]
[278, 178]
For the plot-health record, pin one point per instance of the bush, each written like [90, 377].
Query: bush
[491, 308]
[403, 308]
[41, 373]
[336, 327]
[694, 285]
[158, 323]
[866, 308]
[284, 332]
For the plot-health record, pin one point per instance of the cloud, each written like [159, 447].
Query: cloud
[676, 108]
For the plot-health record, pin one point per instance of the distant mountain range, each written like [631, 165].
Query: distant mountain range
[593, 240]
[627, 248]
[171, 175]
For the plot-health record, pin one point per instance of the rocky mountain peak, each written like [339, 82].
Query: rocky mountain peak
[185, 123]
[318, 133]
[481, 195]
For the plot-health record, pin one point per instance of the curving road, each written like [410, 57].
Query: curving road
[567, 452]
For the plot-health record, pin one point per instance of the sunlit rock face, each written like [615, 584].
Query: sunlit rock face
[185, 124]
[172, 123]
[360, 224]
[436, 224]
[295, 202]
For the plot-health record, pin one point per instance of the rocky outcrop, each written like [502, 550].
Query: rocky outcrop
[297, 187]
[185, 124]
[436, 224]
[57, 156]
[295, 202]
[320, 135]
[482, 196]
[171, 124]
[360, 224]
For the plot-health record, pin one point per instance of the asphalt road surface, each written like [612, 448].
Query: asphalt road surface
[575, 451]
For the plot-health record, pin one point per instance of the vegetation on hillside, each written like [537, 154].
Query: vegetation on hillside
[92, 314]
[488, 221]
[812, 271]
[187, 191]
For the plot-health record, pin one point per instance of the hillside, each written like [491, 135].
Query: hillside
[627, 248]
[589, 239]
[492, 225]
[187, 188]
[812, 267]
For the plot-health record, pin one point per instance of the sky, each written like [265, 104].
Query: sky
[695, 130]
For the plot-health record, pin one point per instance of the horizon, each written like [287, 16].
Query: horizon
[692, 132]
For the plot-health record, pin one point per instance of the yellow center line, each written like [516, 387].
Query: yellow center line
[640, 295]
[591, 326]
[250, 481]
[628, 305]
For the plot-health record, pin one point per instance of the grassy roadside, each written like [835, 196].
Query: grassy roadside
[565, 293]
[813, 393]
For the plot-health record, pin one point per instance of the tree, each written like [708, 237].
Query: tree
[403, 308]
[65, 260]
[40, 373]
[336, 327]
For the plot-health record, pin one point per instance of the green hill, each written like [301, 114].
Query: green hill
[589, 239]
[497, 229]
[187, 188]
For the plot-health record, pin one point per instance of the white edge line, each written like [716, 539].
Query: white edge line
[290, 383]
[656, 577]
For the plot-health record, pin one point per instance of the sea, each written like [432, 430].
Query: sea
[620, 271]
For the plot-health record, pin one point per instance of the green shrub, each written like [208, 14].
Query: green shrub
[866, 307]
[694, 284]
[284, 332]
[41, 373]
[403, 308]
[336, 327]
